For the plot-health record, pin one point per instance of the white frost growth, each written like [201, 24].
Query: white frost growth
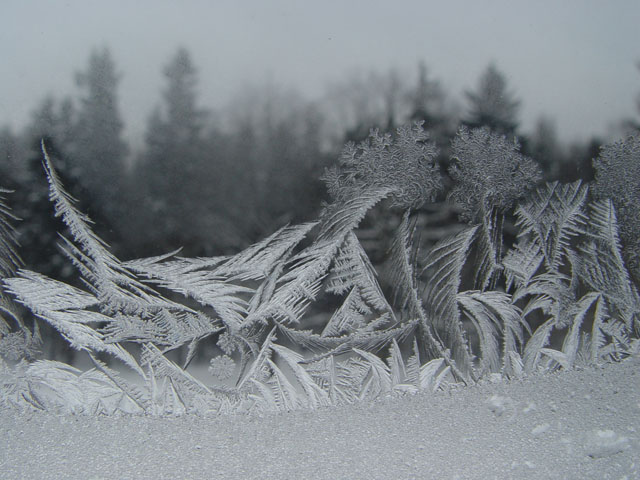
[499, 405]
[540, 429]
[603, 443]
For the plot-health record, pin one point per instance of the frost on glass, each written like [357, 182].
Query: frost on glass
[489, 171]
[617, 172]
[558, 296]
[404, 163]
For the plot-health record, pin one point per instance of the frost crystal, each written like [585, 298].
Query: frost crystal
[227, 343]
[221, 367]
[617, 173]
[499, 405]
[540, 429]
[489, 171]
[404, 163]
[603, 443]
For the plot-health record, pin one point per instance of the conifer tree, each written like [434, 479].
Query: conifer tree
[10, 153]
[633, 124]
[492, 104]
[427, 104]
[426, 99]
[100, 152]
[545, 148]
[173, 166]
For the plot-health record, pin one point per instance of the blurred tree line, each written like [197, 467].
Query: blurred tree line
[214, 182]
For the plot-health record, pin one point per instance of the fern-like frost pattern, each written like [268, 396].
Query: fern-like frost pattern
[565, 277]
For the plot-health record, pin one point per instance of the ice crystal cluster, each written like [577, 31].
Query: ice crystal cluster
[489, 171]
[470, 308]
[617, 173]
[404, 163]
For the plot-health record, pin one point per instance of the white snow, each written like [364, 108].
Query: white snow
[578, 424]
[603, 443]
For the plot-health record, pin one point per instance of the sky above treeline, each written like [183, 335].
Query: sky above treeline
[574, 61]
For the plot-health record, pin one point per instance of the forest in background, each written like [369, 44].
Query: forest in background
[213, 182]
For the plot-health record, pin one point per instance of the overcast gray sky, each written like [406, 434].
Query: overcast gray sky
[573, 60]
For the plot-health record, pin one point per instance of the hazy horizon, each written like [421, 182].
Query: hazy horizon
[573, 61]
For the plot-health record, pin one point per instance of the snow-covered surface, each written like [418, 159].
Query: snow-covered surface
[580, 424]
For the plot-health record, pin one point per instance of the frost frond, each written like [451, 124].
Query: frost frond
[617, 170]
[553, 215]
[442, 270]
[493, 315]
[113, 283]
[601, 266]
[351, 270]
[9, 258]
